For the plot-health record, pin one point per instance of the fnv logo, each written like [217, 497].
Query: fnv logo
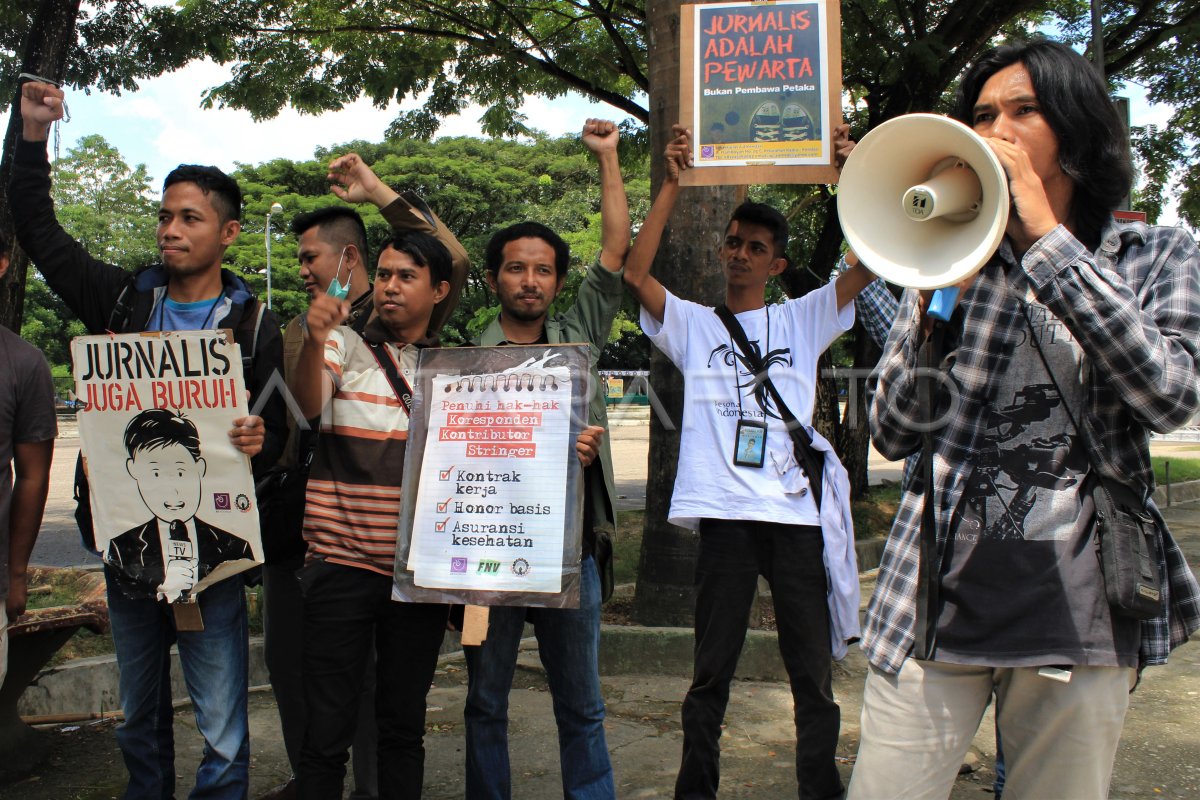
[487, 566]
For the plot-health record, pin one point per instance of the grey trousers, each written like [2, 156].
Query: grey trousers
[1059, 738]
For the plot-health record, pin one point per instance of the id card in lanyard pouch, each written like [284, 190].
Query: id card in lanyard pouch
[750, 443]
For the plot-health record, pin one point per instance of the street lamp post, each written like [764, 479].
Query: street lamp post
[275, 209]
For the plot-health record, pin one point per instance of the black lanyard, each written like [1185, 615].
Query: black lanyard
[162, 311]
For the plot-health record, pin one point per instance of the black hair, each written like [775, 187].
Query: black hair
[527, 230]
[427, 251]
[339, 226]
[1093, 145]
[160, 427]
[220, 189]
[767, 217]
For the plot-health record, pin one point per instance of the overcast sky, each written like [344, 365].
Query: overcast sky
[162, 124]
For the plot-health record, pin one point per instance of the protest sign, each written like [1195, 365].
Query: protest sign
[493, 493]
[172, 499]
[761, 87]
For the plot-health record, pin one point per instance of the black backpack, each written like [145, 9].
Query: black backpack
[283, 492]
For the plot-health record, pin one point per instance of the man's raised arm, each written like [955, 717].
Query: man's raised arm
[353, 180]
[601, 136]
[88, 286]
[644, 286]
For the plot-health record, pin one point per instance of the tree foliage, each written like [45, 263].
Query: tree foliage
[476, 186]
[109, 207]
[899, 56]
[317, 55]
[105, 44]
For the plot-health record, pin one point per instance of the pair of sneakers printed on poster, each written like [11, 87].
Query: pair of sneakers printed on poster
[769, 124]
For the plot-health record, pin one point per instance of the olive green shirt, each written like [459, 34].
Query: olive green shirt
[589, 320]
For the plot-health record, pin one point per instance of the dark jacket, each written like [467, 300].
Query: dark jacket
[137, 553]
[92, 288]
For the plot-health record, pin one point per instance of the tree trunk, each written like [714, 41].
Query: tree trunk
[686, 266]
[49, 38]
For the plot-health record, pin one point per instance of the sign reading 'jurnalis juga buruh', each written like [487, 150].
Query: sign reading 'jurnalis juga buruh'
[172, 500]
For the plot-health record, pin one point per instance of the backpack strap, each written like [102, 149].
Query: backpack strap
[248, 328]
[118, 320]
[404, 392]
[810, 461]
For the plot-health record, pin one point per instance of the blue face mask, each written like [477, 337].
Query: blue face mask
[339, 290]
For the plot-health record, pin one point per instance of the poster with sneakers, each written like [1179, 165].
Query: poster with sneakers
[760, 82]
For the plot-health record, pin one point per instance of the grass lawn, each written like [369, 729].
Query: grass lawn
[63, 587]
[1182, 469]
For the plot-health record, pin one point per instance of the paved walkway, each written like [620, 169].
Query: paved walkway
[1159, 754]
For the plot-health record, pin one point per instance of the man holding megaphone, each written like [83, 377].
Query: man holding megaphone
[1078, 337]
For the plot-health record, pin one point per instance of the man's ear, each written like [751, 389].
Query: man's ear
[440, 291]
[203, 466]
[129, 468]
[230, 231]
[778, 266]
[3, 265]
[490, 277]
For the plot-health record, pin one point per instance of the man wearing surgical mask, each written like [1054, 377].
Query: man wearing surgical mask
[333, 255]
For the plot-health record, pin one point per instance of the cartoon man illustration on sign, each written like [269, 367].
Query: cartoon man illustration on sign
[173, 551]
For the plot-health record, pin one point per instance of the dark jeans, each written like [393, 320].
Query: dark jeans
[569, 646]
[732, 555]
[283, 640]
[348, 610]
[214, 663]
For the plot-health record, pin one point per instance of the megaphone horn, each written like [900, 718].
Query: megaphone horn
[923, 201]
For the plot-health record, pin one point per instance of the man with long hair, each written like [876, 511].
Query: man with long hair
[1078, 321]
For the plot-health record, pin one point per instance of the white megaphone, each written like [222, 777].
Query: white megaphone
[923, 201]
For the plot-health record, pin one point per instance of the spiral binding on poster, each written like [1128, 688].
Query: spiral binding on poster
[504, 382]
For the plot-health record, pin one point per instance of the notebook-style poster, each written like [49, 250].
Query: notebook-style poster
[493, 516]
[172, 500]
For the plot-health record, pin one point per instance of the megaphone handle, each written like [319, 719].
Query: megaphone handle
[941, 306]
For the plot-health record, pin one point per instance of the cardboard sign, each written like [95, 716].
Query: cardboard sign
[493, 515]
[761, 87]
[172, 500]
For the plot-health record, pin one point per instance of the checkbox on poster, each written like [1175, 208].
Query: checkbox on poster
[441, 507]
[441, 526]
[444, 474]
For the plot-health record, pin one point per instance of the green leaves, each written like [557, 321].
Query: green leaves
[318, 55]
[476, 186]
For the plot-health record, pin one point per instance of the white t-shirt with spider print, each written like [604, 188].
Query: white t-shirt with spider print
[720, 388]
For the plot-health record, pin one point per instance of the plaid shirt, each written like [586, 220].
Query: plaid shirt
[875, 307]
[1134, 308]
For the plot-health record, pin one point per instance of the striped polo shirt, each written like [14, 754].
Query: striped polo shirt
[354, 485]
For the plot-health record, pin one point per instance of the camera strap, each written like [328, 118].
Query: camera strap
[812, 462]
[929, 562]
